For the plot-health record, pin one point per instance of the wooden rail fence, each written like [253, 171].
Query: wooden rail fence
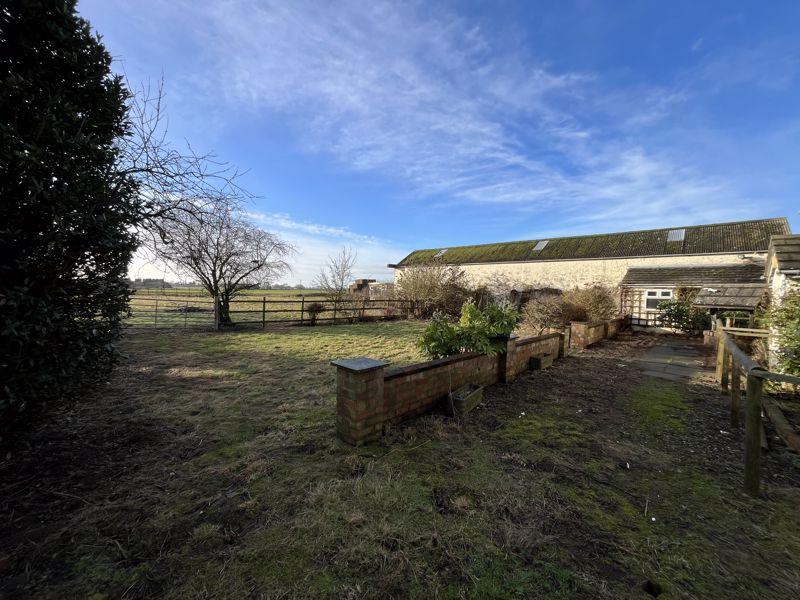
[182, 311]
[732, 366]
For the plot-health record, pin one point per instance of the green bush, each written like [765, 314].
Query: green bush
[680, 314]
[477, 330]
[66, 216]
[784, 319]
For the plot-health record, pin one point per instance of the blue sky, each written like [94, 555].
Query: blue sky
[403, 125]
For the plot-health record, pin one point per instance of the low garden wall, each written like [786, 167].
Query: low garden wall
[369, 397]
[584, 334]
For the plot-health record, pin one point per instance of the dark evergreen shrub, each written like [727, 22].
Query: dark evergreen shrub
[66, 216]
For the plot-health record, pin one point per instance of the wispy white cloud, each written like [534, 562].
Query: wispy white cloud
[431, 100]
[315, 243]
[464, 117]
[285, 222]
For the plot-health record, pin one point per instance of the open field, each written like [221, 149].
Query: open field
[209, 468]
[191, 308]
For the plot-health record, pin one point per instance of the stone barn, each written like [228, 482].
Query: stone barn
[648, 266]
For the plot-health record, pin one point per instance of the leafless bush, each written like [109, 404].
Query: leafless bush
[334, 281]
[433, 286]
[550, 308]
[599, 301]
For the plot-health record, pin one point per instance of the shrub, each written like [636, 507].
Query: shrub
[67, 214]
[551, 308]
[784, 319]
[680, 314]
[599, 302]
[476, 331]
[314, 310]
[433, 287]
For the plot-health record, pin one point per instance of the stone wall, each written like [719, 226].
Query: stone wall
[569, 274]
[369, 397]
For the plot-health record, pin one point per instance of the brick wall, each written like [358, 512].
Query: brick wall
[585, 334]
[369, 397]
[518, 357]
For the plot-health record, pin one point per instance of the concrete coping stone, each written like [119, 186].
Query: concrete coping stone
[359, 364]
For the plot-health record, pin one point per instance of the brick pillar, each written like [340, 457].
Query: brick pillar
[359, 399]
[508, 361]
[579, 334]
[564, 342]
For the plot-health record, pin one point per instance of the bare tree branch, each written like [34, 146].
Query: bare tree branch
[171, 183]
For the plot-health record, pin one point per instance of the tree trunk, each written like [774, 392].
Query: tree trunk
[225, 310]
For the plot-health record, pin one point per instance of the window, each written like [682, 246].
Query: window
[676, 235]
[656, 297]
[540, 245]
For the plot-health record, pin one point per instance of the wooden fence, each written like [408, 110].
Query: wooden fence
[733, 367]
[199, 311]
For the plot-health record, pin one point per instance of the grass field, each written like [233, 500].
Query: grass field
[209, 468]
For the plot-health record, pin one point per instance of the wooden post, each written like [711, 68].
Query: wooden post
[185, 314]
[155, 318]
[263, 312]
[723, 382]
[302, 307]
[335, 303]
[216, 313]
[736, 393]
[363, 307]
[752, 447]
[720, 356]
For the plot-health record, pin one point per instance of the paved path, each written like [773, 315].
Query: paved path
[674, 359]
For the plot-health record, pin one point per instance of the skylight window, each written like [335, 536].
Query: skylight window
[676, 235]
[540, 245]
[440, 253]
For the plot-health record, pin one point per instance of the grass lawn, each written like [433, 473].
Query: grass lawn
[209, 468]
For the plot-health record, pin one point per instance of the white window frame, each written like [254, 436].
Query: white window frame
[659, 294]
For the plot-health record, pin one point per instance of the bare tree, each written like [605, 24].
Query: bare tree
[224, 252]
[172, 184]
[335, 277]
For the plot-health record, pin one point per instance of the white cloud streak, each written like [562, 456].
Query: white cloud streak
[432, 101]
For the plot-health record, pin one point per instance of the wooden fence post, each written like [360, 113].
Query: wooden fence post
[720, 356]
[736, 393]
[363, 307]
[752, 447]
[155, 318]
[185, 314]
[263, 312]
[302, 307]
[723, 383]
[335, 302]
[216, 313]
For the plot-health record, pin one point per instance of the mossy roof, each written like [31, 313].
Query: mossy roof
[786, 250]
[739, 236]
[667, 276]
